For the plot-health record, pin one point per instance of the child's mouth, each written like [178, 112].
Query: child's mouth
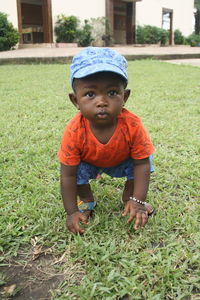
[102, 115]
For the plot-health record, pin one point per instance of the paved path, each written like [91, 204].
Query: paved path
[63, 55]
[191, 61]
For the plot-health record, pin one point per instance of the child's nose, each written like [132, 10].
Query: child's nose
[101, 101]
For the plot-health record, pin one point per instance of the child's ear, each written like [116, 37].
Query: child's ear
[127, 93]
[73, 99]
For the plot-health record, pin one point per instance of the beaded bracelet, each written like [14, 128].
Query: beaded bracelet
[136, 200]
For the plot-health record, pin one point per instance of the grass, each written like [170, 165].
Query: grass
[110, 260]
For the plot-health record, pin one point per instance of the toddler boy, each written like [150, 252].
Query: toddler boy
[103, 137]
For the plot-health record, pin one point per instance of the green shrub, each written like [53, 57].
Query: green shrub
[84, 35]
[66, 29]
[193, 40]
[164, 36]
[151, 35]
[179, 39]
[9, 36]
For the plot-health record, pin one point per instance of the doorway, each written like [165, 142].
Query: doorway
[121, 17]
[35, 21]
[167, 23]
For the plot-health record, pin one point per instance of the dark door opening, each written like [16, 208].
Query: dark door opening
[167, 23]
[35, 21]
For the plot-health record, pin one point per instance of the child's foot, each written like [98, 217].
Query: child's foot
[86, 203]
[128, 192]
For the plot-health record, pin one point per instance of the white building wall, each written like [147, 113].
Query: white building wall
[10, 8]
[149, 12]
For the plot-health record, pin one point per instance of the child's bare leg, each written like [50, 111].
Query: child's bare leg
[85, 193]
[128, 192]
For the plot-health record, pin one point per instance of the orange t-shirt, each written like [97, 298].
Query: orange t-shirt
[130, 139]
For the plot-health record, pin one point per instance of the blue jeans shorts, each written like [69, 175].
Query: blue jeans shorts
[86, 171]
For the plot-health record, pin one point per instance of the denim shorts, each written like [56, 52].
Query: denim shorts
[86, 171]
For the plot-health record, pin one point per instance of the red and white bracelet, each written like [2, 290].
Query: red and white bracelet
[138, 201]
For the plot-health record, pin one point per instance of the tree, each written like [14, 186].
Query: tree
[197, 16]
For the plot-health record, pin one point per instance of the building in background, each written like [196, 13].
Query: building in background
[35, 19]
[167, 14]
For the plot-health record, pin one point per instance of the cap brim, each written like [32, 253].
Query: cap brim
[90, 70]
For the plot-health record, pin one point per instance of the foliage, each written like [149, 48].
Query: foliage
[96, 30]
[84, 35]
[164, 35]
[151, 35]
[66, 29]
[9, 36]
[179, 39]
[197, 4]
[162, 261]
[101, 31]
[197, 16]
[193, 40]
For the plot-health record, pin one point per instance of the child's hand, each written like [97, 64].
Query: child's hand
[73, 221]
[137, 211]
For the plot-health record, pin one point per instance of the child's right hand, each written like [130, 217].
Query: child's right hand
[73, 221]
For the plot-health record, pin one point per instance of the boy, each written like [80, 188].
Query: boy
[103, 137]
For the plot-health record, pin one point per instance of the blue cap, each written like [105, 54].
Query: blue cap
[92, 60]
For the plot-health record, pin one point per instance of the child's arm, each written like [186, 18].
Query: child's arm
[141, 184]
[69, 196]
[141, 178]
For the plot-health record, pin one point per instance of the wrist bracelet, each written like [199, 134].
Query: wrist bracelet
[138, 201]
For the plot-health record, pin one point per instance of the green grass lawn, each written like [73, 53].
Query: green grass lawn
[111, 260]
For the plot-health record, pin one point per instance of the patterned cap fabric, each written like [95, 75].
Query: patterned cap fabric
[92, 60]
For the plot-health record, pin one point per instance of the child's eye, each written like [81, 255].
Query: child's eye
[112, 93]
[89, 94]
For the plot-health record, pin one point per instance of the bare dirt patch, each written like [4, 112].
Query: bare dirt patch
[36, 274]
[30, 279]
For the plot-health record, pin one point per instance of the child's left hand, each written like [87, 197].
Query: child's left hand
[136, 211]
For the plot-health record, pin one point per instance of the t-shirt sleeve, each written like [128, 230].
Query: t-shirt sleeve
[142, 146]
[69, 152]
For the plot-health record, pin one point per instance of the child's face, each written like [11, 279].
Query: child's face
[100, 97]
